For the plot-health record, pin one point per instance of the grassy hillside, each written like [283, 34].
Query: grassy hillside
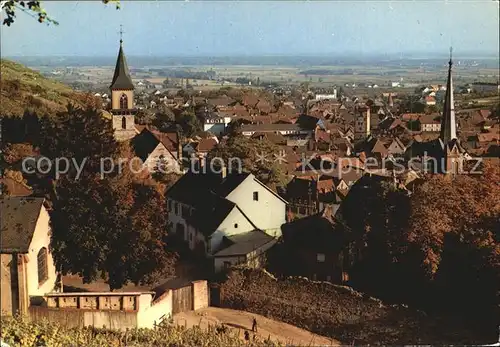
[22, 89]
[19, 332]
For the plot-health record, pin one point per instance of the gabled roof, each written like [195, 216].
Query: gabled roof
[230, 182]
[144, 143]
[18, 222]
[210, 213]
[121, 78]
[193, 188]
[206, 145]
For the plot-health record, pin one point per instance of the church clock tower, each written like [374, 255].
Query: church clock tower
[122, 99]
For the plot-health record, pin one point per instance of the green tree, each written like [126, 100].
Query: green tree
[375, 212]
[189, 123]
[257, 157]
[164, 117]
[412, 104]
[144, 117]
[83, 136]
[33, 9]
[432, 248]
[111, 228]
[110, 225]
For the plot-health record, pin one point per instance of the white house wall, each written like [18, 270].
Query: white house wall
[214, 128]
[41, 238]
[268, 213]
[227, 228]
[153, 159]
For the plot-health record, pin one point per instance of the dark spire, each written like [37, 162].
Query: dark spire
[448, 121]
[121, 78]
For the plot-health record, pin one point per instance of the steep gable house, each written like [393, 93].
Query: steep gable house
[28, 269]
[157, 150]
[206, 207]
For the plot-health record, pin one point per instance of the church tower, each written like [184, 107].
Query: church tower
[122, 99]
[362, 127]
[453, 152]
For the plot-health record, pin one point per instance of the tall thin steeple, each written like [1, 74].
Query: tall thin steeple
[448, 121]
[122, 98]
[121, 78]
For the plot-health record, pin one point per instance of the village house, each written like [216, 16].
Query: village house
[28, 270]
[203, 208]
[216, 123]
[158, 150]
[247, 249]
[429, 100]
[308, 195]
[283, 129]
[430, 123]
[396, 147]
[313, 248]
[198, 150]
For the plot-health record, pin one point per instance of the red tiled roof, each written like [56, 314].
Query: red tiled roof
[485, 113]
[410, 116]
[429, 119]
[206, 145]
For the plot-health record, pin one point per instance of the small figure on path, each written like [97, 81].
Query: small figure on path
[254, 325]
[247, 335]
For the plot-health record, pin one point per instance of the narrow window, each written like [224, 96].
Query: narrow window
[124, 123]
[255, 196]
[123, 102]
[43, 271]
[235, 225]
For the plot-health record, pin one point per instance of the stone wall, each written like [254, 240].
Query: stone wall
[76, 318]
[200, 294]
[111, 310]
[117, 310]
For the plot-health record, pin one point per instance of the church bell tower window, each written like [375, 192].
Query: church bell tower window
[123, 102]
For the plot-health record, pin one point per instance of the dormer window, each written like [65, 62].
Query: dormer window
[255, 196]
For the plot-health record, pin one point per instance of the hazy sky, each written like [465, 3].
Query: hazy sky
[174, 28]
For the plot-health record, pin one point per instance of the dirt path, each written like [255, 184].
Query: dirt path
[241, 321]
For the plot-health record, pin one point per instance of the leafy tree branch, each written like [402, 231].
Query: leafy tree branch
[33, 9]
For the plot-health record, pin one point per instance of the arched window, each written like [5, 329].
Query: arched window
[123, 102]
[124, 123]
[43, 271]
